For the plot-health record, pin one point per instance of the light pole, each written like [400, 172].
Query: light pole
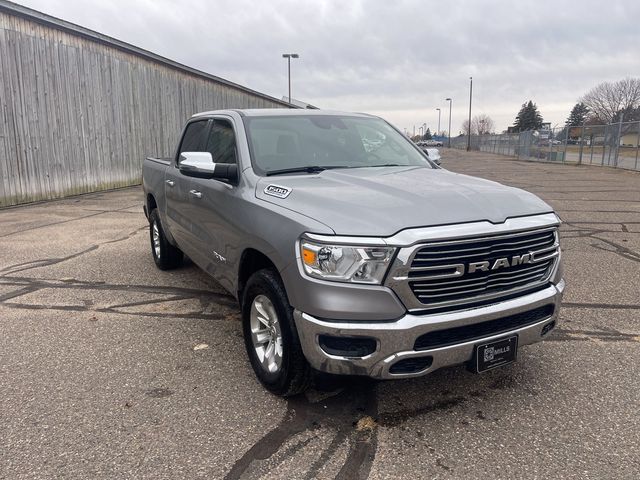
[449, 133]
[439, 112]
[289, 56]
[470, 97]
[424, 128]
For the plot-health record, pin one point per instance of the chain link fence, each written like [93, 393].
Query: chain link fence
[614, 145]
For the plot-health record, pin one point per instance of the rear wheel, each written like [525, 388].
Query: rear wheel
[270, 336]
[165, 255]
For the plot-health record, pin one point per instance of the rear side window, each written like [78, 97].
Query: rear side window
[221, 143]
[194, 137]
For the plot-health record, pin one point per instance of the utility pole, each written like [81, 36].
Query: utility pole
[449, 133]
[439, 112]
[289, 56]
[470, 98]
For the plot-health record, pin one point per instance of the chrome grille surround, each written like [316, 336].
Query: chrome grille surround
[434, 274]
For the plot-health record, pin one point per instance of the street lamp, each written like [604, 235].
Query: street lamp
[449, 132]
[439, 112]
[470, 97]
[289, 56]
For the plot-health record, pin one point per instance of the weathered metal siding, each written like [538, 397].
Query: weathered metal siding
[78, 115]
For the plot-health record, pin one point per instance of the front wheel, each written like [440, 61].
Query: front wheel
[270, 336]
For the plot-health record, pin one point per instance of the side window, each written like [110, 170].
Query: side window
[194, 137]
[221, 143]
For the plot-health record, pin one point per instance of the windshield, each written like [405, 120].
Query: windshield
[312, 143]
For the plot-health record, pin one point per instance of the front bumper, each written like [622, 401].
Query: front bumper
[395, 340]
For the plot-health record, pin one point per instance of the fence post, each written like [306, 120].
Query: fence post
[637, 146]
[566, 140]
[581, 145]
[604, 143]
[618, 140]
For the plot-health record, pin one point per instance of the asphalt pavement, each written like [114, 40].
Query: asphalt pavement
[110, 368]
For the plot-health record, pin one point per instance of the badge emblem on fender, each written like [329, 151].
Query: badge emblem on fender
[277, 191]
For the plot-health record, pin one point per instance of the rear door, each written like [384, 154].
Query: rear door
[179, 212]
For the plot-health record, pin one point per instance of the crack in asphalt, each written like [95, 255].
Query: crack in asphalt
[616, 248]
[37, 227]
[603, 306]
[79, 308]
[340, 413]
[205, 297]
[222, 298]
[596, 211]
[606, 335]
[21, 267]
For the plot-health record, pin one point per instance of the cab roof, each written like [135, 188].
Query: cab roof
[281, 112]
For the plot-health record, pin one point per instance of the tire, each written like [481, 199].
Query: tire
[263, 301]
[165, 255]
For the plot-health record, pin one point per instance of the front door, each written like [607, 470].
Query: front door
[214, 228]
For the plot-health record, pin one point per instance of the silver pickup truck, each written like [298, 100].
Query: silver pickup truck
[349, 251]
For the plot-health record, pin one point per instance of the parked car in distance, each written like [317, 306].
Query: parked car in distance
[432, 153]
[432, 143]
[351, 252]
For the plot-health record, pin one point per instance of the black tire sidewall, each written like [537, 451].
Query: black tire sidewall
[170, 256]
[154, 219]
[267, 282]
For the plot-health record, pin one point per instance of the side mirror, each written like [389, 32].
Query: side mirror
[200, 165]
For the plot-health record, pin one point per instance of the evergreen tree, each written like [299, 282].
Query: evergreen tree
[578, 115]
[528, 118]
[427, 135]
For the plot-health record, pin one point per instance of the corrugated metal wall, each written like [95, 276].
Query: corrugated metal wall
[79, 114]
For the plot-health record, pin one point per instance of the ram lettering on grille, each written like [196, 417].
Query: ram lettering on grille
[499, 263]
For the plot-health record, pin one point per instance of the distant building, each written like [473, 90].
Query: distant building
[300, 104]
[629, 135]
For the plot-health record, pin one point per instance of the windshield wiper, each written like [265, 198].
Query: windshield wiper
[307, 169]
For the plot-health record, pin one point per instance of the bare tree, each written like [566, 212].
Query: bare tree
[481, 124]
[607, 99]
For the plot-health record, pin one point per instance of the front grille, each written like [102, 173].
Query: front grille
[442, 273]
[465, 333]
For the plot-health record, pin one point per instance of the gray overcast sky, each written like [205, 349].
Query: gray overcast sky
[397, 59]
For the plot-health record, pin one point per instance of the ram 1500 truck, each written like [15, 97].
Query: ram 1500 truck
[349, 251]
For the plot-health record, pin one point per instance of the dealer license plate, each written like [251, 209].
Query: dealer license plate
[496, 354]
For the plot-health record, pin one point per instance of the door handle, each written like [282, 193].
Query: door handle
[171, 183]
[196, 193]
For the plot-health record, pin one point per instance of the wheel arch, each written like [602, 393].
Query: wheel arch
[151, 203]
[251, 261]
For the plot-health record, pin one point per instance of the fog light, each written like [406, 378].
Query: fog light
[347, 346]
[411, 365]
[547, 328]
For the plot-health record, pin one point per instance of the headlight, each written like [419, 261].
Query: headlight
[345, 263]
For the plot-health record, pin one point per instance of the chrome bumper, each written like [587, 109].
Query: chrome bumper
[395, 340]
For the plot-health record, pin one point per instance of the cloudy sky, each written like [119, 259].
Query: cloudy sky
[398, 59]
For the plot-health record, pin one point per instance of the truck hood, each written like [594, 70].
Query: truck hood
[383, 201]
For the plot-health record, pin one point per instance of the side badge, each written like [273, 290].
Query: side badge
[277, 191]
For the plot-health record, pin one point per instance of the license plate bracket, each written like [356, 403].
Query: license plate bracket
[496, 353]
